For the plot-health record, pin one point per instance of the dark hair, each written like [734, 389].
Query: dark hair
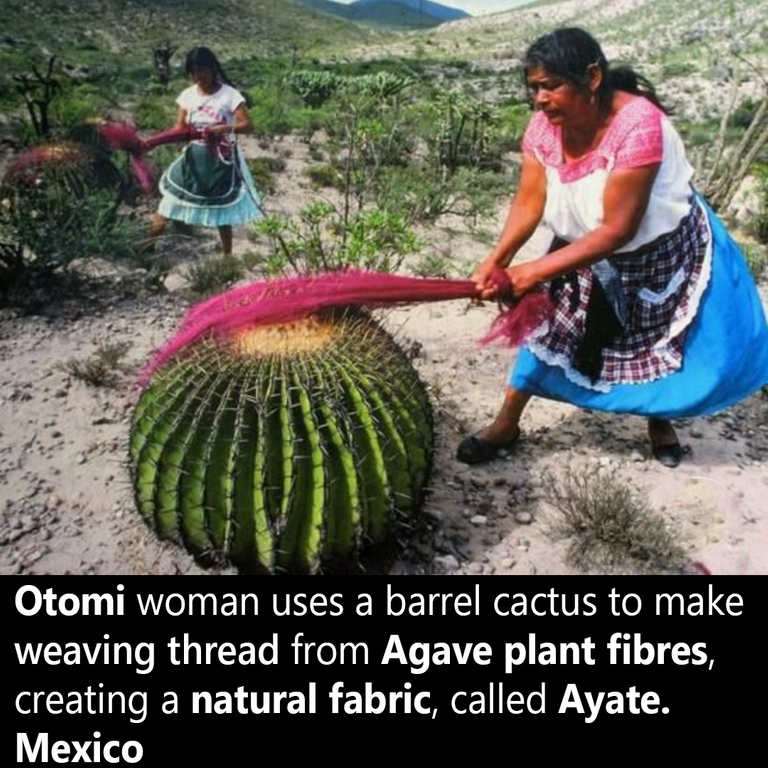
[198, 58]
[205, 57]
[569, 52]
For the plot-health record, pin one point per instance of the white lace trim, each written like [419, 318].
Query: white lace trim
[660, 348]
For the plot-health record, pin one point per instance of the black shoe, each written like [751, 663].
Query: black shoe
[476, 450]
[668, 455]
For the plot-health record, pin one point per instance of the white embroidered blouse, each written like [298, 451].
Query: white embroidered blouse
[639, 134]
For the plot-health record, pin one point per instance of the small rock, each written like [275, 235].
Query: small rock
[479, 520]
[524, 518]
[446, 564]
[696, 433]
[508, 563]
[81, 458]
[475, 568]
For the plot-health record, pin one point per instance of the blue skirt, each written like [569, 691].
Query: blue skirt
[725, 357]
[239, 203]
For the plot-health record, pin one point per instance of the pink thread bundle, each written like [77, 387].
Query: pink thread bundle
[271, 302]
[123, 136]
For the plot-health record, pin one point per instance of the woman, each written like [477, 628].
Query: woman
[209, 183]
[656, 311]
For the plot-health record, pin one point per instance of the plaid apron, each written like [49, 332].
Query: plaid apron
[624, 320]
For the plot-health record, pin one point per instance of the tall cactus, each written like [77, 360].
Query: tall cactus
[283, 448]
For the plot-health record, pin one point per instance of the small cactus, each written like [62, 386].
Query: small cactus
[283, 448]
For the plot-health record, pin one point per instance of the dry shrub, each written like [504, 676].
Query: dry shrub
[610, 525]
[103, 368]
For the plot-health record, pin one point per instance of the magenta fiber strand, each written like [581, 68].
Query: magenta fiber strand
[271, 302]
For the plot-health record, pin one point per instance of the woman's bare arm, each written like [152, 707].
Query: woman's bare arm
[524, 216]
[625, 202]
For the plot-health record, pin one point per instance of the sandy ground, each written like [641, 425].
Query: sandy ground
[65, 497]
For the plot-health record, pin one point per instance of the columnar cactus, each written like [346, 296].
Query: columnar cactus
[283, 448]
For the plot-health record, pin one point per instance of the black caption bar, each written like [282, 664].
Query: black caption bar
[139, 671]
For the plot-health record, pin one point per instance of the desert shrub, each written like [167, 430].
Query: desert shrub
[466, 132]
[759, 223]
[314, 88]
[324, 175]
[276, 111]
[756, 258]
[102, 369]
[264, 170]
[744, 114]
[434, 264]
[514, 119]
[423, 193]
[155, 112]
[322, 239]
[608, 523]
[678, 69]
[214, 275]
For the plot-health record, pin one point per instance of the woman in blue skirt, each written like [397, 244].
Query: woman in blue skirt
[656, 312]
[209, 183]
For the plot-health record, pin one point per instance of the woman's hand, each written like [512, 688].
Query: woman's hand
[481, 277]
[524, 278]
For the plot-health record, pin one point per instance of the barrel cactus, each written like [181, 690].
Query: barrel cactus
[283, 448]
[44, 193]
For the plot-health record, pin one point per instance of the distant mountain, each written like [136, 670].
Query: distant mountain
[442, 12]
[396, 14]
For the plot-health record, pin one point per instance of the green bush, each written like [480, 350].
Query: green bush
[321, 239]
[678, 69]
[325, 175]
[756, 258]
[155, 112]
[314, 88]
[264, 170]
[214, 275]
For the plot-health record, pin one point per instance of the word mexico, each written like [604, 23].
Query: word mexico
[41, 751]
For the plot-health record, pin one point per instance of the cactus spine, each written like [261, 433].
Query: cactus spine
[283, 449]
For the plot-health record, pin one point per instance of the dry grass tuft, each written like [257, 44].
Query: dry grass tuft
[103, 368]
[610, 525]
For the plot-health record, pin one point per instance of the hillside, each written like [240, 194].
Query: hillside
[124, 28]
[688, 48]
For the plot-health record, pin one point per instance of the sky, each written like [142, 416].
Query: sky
[475, 7]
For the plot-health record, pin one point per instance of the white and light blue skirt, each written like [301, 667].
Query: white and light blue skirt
[724, 353]
[209, 187]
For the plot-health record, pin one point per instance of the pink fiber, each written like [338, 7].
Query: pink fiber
[521, 319]
[122, 136]
[271, 302]
[143, 172]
